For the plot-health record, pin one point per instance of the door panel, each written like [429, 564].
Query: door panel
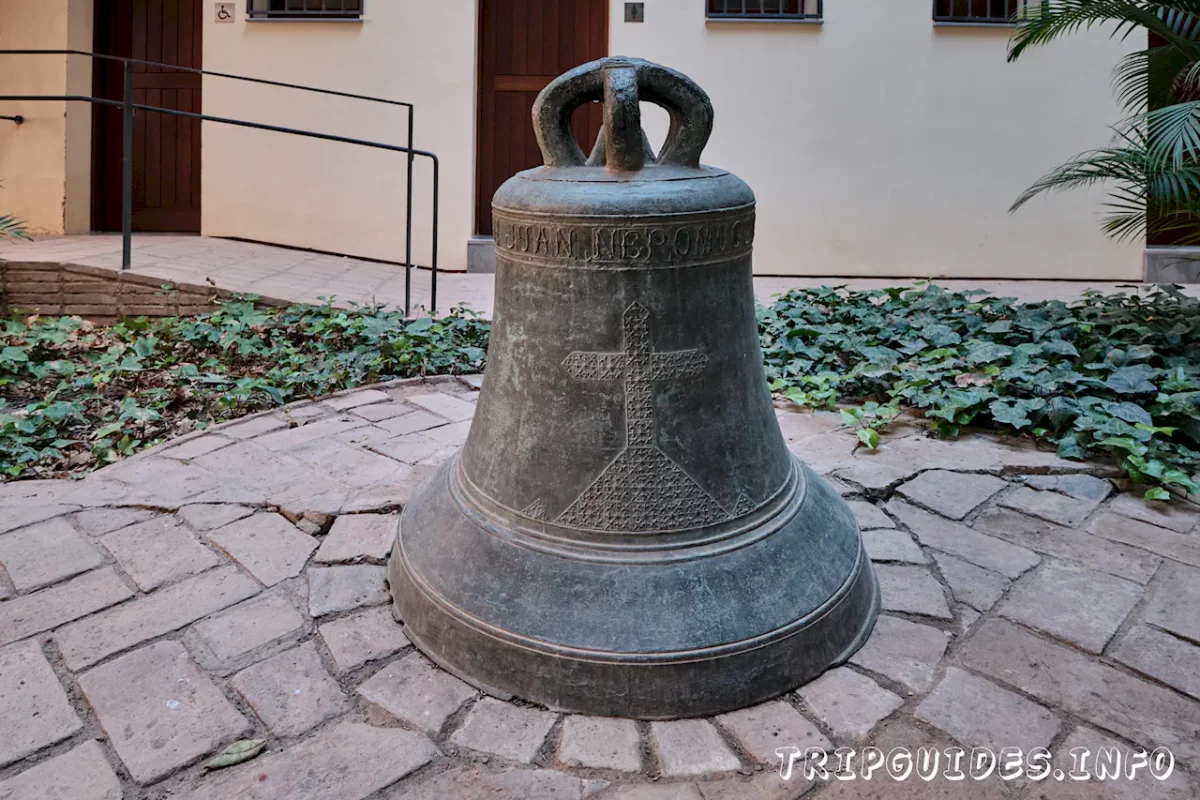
[166, 149]
[525, 44]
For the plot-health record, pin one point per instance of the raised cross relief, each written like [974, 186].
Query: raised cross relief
[641, 489]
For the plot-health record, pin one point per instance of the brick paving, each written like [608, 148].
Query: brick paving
[233, 586]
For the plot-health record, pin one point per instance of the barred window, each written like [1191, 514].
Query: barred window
[987, 12]
[304, 9]
[764, 9]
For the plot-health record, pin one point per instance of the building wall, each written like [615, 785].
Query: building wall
[881, 145]
[328, 196]
[46, 183]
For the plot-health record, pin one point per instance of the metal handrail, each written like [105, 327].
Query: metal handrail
[128, 107]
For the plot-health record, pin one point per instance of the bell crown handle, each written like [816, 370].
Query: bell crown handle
[622, 83]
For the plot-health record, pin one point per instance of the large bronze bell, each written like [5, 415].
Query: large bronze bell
[625, 531]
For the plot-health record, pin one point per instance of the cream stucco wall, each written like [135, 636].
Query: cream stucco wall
[337, 197]
[45, 163]
[879, 144]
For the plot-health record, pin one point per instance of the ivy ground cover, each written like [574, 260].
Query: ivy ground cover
[1109, 375]
[74, 396]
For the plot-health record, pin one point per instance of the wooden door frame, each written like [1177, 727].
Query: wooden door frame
[482, 208]
[108, 82]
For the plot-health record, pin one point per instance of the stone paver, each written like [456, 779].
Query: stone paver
[79, 774]
[979, 588]
[1178, 786]
[485, 783]
[1183, 547]
[415, 691]
[951, 494]
[99, 521]
[1178, 517]
[1162, 656]
[869, 515]
[328, 480]
[978, 713]
[1069, 544]
[849, 703]
[1173, 602]
[158, 551]
[691, 747]
[444, 405]
[892, 545]
[234, 637]
[351, 761]
[291, 691]
[268, 546]
[58, 605]
[959, 540]
[600, 743]
[208, 516]
[159, 710]
[1106, 697]
[1080, 606]
[34, 710]
[46, 553]
[911, 590]
[904, 651]
[366, 636]
[761, 730]
[333, 589]
[93, 639]
[354, 537]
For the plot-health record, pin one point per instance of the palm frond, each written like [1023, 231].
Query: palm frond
[1172, 134]
[13, 228]
[1177, 22]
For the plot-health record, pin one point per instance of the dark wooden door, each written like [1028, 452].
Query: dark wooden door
[525, 44]
[166, 148]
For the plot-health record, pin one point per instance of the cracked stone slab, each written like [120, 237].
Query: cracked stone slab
[691, 747]
[46, 553]
[505, 730]
[869, 515]
[951, 494]
[268, 546]
[415, 691]
[58, 605]
[988, 552]
[978, 713]
[362, 637]
[904, 651]
[1083, 607]
[1068, 544]
[291, 691]
[1160, 655]
[979, 588]
[230, 640]
[159, 710]
[158, 551]
[1145, 787]
[892, 545]
[351, 761]
[761, 730]
[1104, 696]
[849, 703]
[1173, 601]
[911, 590]
[79, 774]
[209, 516]
[99, 521]
[355, 537]
[1178, 517]
[1115, 527]
[333, 589]
[600, 743]
[90, 640]
[34, 709]
[483, 783]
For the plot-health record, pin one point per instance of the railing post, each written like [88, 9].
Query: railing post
[408, 221]
[434, 261]
[127, 171]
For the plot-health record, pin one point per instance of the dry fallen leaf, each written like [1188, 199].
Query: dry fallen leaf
[236, 753]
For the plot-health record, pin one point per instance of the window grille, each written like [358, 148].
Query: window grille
[985, 12]
[765, 9]
[304, 9]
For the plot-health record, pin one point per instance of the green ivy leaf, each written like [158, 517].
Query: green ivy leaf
[987, 352]
[869, 437]
[1132, 380]
[1157, 493]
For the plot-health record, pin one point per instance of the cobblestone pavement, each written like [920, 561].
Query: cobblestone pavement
[230, 585]
[303, 276]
